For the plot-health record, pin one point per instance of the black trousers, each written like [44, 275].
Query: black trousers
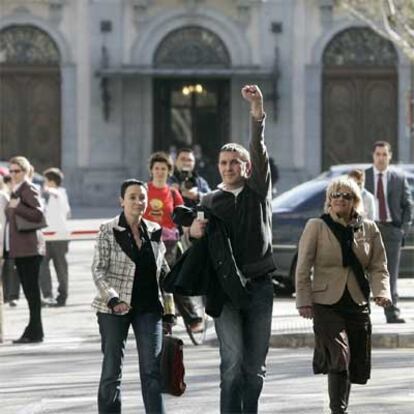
[28, 271]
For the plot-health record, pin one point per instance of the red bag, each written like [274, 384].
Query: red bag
[172, 366]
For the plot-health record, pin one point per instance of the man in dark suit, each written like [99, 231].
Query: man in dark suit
[393, 214]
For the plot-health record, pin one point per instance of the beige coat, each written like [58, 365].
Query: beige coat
[320, 276]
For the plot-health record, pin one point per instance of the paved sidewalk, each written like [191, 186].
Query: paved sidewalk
[289, 330]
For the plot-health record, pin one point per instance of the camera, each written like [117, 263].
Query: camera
[187, 180]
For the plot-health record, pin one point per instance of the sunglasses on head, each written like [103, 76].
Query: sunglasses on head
[345, 196]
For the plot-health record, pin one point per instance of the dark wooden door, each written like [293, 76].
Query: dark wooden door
[192, 113]
[359, 108]
[30, 120]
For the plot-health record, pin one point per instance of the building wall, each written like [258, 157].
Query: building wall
[98, 153]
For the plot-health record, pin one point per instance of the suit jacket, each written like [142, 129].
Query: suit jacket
[320, 253]
[114, 271]
[398, 196]
[28, 243]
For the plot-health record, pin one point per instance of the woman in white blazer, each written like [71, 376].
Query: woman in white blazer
[127, 268]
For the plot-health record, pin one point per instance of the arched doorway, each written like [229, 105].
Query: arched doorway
[30, 96]
[192, 110]
[360, 96]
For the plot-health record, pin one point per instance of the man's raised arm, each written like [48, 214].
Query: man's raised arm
[260, 171]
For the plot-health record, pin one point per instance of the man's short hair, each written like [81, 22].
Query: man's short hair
[233, 147]
[55, 175]
[161, 156]
[382, 144]
[181, 150]
[131, 181]
[357, 174]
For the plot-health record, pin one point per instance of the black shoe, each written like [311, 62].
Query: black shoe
[60, 301]
[27, 340]
[395, 319]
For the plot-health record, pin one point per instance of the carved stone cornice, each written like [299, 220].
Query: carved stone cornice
[139, 9]
[54, 7]
[56, 10]
[326, 12]
[192, 4]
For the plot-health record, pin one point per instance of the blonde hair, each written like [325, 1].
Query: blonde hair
[22, 162]
[348, 184]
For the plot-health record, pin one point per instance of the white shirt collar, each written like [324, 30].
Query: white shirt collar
[377, 171]
[235, 191]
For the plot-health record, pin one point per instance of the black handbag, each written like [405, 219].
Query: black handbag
[172, 366]
[24, 225]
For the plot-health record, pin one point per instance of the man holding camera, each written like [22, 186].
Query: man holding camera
[192, 188]
[191, 185]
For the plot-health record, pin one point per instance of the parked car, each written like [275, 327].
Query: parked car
[291, 211]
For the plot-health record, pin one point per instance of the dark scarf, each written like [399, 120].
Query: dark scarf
[345, 237]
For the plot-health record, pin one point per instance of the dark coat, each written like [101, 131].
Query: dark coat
[27, 243]
[208, 267]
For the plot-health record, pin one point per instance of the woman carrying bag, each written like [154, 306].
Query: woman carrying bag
[341, 258]
[24, 242]
[127, 269]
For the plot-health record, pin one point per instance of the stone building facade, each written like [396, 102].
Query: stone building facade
[94, 86]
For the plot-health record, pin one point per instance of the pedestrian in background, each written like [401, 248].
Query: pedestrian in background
[192, 187]
[11, 284]
[57, 212]
[127, 269]
[335, 253]
[243, 204]
[26, 247]
[186, 179]
[3, 203]
[162, 199]
[368, 199]
[393, 215]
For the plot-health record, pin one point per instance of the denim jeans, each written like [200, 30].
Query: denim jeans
[244, 336]
[148, 335]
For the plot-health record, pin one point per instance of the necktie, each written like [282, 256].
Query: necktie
[381, 199]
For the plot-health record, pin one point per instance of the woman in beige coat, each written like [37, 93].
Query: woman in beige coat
[341, 259]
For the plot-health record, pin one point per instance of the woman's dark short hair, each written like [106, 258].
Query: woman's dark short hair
[161, 156]
[54, 174]
[129, 182]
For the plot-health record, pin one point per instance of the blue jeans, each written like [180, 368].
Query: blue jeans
[244, 336]
[148, 335]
